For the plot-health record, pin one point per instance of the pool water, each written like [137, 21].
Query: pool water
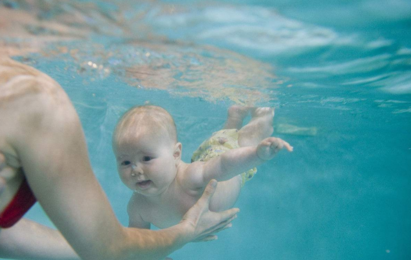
[338, 74]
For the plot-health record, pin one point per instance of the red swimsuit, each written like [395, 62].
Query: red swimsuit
[20, 204]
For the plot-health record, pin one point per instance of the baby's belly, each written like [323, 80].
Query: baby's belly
[171, 214]
[226, 194]
[167, 218]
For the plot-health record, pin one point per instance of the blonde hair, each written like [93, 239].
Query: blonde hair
[147, 117]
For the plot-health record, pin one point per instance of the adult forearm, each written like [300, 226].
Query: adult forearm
[30, 240]
[55, 160]
[151, 245]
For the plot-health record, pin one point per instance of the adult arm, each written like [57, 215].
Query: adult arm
[30, 240]
[47, 137]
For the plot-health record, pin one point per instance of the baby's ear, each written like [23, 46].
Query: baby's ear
[177, 150]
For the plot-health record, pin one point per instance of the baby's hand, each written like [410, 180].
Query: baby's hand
[269, 147]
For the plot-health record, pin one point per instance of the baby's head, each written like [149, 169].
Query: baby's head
[146, 149]
[145, 120]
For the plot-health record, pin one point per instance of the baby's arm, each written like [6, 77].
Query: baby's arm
[236, 161]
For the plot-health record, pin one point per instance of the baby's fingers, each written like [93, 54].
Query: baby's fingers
[278, 144]
[287, 146]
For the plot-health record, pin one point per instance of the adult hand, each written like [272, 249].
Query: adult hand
[204, 222]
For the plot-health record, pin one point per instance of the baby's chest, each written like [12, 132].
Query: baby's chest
[168, 213]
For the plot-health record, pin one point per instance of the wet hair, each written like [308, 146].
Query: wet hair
[145, 118]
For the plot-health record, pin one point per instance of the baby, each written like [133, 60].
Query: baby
[149, 162]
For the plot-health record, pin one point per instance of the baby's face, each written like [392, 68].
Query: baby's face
[146, 163]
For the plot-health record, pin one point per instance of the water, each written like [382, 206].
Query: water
[338, 74]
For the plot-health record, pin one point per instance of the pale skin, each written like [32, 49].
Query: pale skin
[41, 133]
[166, 187]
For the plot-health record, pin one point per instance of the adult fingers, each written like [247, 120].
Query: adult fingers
[224, 222]
[208, 238]
[210, 233]
[221, 227]
[208, 193]
[231, 218]
[224, 219]
[212, 236]
[229, 215]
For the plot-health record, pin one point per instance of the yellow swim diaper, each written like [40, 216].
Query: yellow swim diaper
[219, 143]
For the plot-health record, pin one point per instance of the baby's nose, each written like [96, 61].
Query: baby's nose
[136, 170]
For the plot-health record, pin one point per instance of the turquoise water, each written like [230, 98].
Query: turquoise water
[338, 74]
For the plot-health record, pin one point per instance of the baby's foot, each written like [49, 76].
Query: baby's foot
[259, 127]
[262, 119]
[236, 115]
[238, 112]
[259, 112]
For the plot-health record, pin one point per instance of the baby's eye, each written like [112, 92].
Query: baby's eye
[125, 163]
[147, 158]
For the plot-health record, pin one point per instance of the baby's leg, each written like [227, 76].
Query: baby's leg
[236, 115]
[226, 194]
[259, 127]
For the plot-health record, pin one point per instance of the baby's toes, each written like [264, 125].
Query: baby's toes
[263, 111]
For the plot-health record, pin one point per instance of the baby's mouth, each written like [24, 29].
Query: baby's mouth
[144, 184]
